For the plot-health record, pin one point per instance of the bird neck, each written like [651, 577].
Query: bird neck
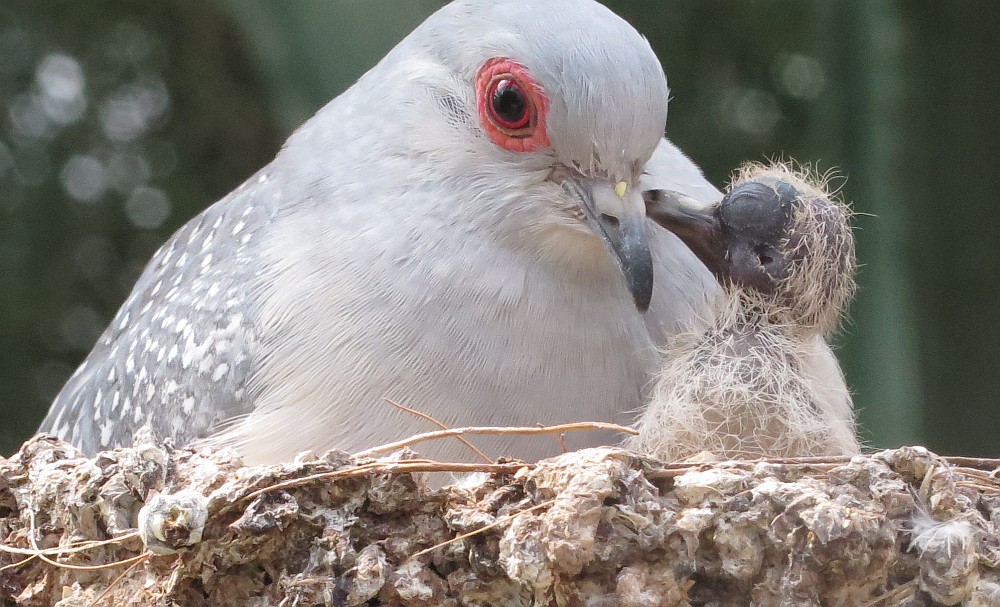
[749, 311]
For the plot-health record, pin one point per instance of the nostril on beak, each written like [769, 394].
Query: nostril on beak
[764, 257]
[610, 219]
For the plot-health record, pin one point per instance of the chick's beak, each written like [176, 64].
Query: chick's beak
[697, 226]
[616, 212]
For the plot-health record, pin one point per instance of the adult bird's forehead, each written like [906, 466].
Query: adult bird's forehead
[553, 37]
[605, 87]
[609, 97]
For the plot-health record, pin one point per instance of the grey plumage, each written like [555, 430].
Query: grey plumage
[393, 250]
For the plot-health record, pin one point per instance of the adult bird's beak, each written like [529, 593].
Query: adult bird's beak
[697, 226]
[617, 214]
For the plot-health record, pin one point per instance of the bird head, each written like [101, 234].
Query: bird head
[778, 237]
[544, 111]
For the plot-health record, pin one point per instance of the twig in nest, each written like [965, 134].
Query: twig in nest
[977, 486]
[390, 467]
[484, 528]
[805, 461]
[818, 463]
[977, 479]
[423, 415]
[129, 561]
[924, 491]
[76, 547]
[18, 563]
[980, 463]
[41, 554]
[419, 438]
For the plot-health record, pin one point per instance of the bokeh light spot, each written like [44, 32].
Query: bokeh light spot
[147, 207]
[84, 178]
[60, 76]
[133, 109]
[752, 111]
[800, 76]
[28, 117]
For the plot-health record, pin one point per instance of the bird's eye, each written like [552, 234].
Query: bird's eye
[512, 106]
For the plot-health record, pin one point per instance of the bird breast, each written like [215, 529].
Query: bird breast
[747, 391]
[474, 334]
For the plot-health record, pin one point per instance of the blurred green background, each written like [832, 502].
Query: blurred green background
[121, 119]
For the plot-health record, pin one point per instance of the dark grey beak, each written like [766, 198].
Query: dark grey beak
[627, 238]
[618, 217]
[697, 228]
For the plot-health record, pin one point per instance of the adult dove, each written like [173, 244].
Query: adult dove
[462, 231]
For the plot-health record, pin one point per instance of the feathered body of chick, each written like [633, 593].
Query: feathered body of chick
[761, 380]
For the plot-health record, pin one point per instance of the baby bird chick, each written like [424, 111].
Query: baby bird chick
[761, 380]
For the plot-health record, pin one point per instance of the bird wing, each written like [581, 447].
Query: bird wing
[832, 398]
[179, 352]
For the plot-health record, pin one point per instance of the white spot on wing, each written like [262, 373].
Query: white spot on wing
[98, 402]
[220, 372]
[106, 432]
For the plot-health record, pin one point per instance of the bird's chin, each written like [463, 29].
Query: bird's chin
[574, 250]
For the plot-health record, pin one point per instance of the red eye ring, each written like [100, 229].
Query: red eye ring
[512, 106]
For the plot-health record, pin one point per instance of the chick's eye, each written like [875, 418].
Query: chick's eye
[509, 105]
[512, 106]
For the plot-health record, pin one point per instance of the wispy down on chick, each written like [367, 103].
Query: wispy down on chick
[761, 381]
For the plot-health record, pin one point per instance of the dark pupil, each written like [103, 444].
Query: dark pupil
[509, 103]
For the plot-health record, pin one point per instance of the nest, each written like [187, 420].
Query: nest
[155, 525]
